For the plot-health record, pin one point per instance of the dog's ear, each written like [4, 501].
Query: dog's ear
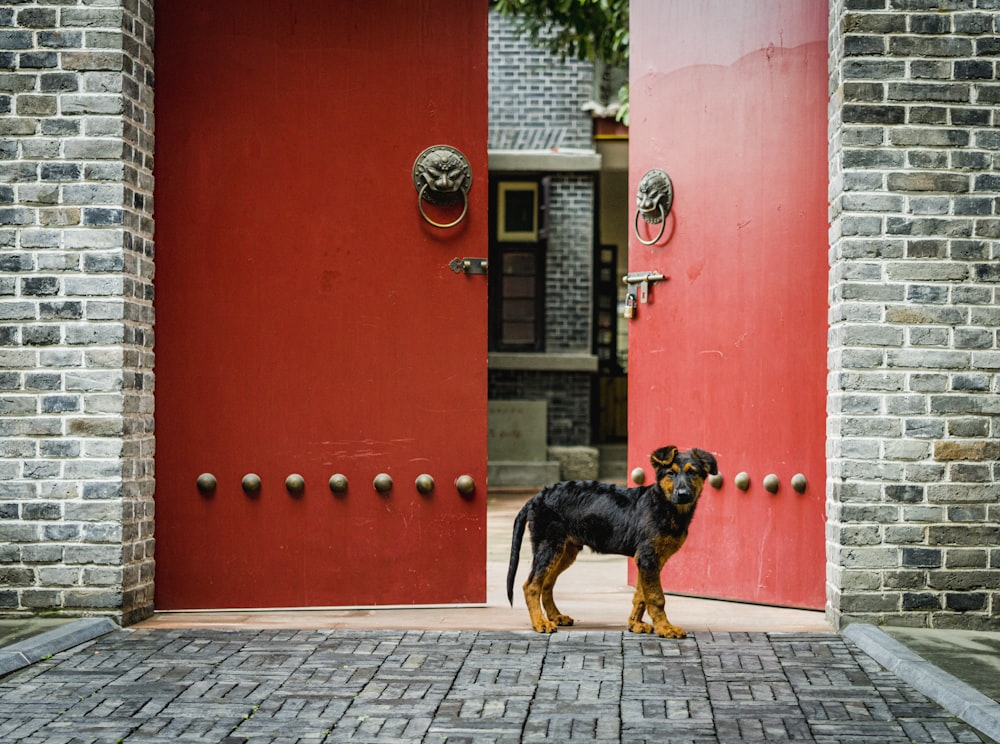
[663, 457]
[708, 459]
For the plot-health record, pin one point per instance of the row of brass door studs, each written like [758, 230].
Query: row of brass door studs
[295, 484]
[771, 481]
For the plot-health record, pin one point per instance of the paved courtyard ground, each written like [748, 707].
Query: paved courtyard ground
[212, 685]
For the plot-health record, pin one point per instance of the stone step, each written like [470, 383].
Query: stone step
[506, 473]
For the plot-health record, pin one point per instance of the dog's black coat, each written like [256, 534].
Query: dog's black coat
[648, 523]
[605, 517]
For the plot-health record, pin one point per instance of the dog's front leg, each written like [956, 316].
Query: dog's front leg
[653, 593]
[649, 566]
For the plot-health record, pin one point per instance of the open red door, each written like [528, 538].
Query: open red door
[308, 322]
[729, 353]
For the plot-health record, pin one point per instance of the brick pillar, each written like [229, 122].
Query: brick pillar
[76, 393]
[914, 411]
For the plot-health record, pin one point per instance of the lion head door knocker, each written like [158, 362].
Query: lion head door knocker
[653, 200]
[442, 177]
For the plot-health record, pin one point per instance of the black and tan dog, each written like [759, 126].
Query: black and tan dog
[648, 523]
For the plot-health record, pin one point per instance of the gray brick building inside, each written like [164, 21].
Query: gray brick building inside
[913, 427]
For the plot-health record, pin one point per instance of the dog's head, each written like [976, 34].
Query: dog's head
[682, 475]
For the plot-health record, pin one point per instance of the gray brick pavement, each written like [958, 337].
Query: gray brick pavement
[283, 686]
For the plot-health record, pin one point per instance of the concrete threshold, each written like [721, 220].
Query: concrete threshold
[38, 646]
[946, 690]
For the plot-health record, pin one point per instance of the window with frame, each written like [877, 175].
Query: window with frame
[517, 265]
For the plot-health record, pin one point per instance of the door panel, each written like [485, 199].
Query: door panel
[730, 354]
[307, 319]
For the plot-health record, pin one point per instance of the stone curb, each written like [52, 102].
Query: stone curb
[24, 653]
[948, 691]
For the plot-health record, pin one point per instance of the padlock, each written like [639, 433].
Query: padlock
[629, 306]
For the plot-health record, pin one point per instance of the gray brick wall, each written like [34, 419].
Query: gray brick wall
[536, 103]
[569, 269]
[536, 100]
[76, 405]
[913, 534]
[566, 393]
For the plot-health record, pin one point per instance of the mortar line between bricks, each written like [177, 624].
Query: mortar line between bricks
[791, 686]
[101, 688]
[253, 709]
[451, 686]
[708, 693]
[67, 654]
[360, 694]
[212, 675]
[246, 718]
[534, 692]
[621, 686]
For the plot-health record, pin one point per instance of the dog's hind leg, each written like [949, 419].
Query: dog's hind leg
[563, 561]
[545, 556]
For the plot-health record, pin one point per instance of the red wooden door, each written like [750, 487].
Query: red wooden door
[307, 319]
[730, 354]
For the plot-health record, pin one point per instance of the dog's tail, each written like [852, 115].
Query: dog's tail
[515, 549]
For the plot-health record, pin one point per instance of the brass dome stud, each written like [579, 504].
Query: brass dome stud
[382, 483]
[465, 485]
[207, 484]
[295, 484]
[251, 484]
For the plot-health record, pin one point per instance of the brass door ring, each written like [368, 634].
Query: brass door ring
[662, 221]
[444, 225]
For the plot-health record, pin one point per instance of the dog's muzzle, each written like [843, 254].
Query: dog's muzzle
[682, 496]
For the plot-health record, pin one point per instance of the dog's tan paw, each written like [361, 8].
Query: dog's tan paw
[637, 626]
[544, 626]
[563, 621]
[671, 631]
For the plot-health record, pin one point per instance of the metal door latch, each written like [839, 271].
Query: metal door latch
[638, 289]
[469, 265]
